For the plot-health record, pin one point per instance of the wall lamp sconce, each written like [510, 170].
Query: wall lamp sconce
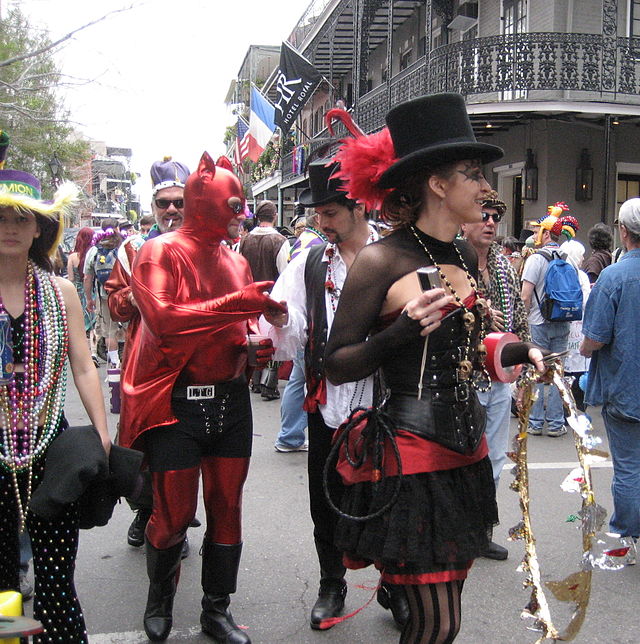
[530, 177]
[584, 177]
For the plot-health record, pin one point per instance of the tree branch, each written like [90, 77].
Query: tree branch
[53, 45]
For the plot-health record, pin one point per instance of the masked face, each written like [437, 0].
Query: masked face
[213, 198]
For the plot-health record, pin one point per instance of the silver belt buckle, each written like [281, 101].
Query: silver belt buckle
[201, 392]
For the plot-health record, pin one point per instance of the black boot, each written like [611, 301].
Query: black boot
[394, 597]
[333, 587]
[162, 568]
[220, 564]
[493, 550]
[135, 534]
[330, 602]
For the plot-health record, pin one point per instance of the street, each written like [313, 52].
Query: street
[278, 579]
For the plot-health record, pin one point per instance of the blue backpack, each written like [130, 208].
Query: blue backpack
[104, 262]
[562, 301]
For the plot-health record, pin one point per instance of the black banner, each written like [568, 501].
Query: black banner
[297, 79]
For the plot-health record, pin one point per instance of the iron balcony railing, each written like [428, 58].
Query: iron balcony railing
[534, 66]
[591, 63]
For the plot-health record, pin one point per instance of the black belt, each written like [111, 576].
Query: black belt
[208, 392]
[457, 425]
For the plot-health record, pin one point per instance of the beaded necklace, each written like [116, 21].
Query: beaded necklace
[330, 282]
[42, 385]
[334, 297]
[480, 378]
[497, 267]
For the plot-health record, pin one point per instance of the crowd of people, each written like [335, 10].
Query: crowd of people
[394, 336]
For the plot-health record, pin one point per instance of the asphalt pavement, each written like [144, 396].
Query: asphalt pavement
[278, 579]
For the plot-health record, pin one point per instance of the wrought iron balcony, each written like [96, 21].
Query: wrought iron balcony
[544, 65]
[600, 65]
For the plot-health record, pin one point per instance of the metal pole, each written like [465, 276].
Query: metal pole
[607, 168]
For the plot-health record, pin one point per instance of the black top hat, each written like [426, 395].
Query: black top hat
[524, 235]
[322, 187]
[430, 131]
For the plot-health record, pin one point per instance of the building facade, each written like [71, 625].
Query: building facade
[556, 83]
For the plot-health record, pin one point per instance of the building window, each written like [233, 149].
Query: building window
[628, 187]
[405, 59]
[634, 18]
[422, 46]
[514, 21]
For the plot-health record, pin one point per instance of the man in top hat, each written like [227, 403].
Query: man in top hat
[188, 402]
[499, 283]
[167, 205]
[612, 339]
[311, 286]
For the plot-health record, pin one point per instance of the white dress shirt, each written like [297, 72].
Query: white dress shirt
[290, 287]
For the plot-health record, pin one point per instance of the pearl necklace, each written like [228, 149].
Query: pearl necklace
[43, 386]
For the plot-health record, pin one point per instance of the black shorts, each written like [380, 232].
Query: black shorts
[221, 426]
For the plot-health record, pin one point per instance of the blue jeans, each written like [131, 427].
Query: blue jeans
[293, 419]
[555, 337]
[497, 402]
[624, 445]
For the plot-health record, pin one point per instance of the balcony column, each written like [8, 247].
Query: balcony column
[609, 44]
[362, 16]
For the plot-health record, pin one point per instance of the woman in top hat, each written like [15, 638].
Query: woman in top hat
[47, 326]
[426, 168]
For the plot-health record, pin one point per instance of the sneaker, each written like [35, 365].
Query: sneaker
[555, 433]
[286, 448]
[533, 431]
[135, 534]
[625, 555]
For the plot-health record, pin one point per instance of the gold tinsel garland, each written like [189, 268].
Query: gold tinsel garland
[576, 587]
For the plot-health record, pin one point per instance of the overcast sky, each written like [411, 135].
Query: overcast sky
[161, 70]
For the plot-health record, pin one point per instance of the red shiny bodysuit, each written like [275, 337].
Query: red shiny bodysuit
[196, 299]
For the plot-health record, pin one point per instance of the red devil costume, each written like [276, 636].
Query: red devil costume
[187, 399]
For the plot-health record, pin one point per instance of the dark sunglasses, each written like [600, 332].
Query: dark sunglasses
[497, 217]
[163, 204]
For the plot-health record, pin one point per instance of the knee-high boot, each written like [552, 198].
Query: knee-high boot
[162, 568]
[220, 564]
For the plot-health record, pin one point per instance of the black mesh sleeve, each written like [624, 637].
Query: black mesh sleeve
[350, 355]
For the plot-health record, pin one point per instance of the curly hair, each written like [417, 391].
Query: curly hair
[402, 205]
[600, 237]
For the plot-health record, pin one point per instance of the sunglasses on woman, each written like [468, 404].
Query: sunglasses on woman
[497, 217]
[163, 204]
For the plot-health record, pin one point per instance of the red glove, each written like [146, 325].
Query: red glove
[250, 298]
[265, 354]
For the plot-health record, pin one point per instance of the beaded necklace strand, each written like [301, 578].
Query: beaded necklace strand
[45, 347]
[334, 297]
[499, 277]
[465, 367]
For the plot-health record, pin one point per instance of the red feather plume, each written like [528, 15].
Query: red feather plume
[344, 117]
[362, 162]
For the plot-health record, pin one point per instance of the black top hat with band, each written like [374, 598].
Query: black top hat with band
[324, 187]
[429, 131]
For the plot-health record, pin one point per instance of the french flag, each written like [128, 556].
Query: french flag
[261, 124]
